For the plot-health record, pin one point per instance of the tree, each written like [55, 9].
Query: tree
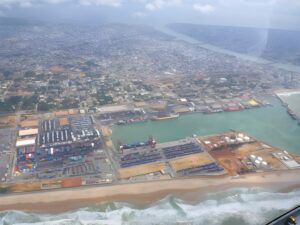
[30, 73]
[29, 102]
[44, 106]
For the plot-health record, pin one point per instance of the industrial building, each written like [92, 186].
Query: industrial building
[26, 142]
[28, 132]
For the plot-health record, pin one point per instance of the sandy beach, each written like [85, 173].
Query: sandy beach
[142, 193]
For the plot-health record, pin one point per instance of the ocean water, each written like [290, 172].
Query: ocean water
[249, 206]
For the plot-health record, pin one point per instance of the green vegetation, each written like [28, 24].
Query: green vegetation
[29, 74]
[8, 74]
[104, 99]
[10, 104]
[68, 103]
[4, 190]
[44, 106]
[29, 102]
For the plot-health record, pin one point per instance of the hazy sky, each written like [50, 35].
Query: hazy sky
[257, 13]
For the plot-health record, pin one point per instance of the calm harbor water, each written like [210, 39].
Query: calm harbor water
[270, 124]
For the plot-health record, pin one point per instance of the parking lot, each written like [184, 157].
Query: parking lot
[6, 154]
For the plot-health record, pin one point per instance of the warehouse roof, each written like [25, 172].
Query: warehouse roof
[25, 142]
[28, 132]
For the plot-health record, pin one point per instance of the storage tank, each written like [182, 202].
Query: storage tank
[259, 158]
[240, 139]
[264, 164]
[227, 139]
[253, 157]
[241, 135]
[246, 138]
[257, 163]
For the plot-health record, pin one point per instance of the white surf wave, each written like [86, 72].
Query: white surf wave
[253, 206]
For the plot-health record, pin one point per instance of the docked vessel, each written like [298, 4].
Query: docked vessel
[129, 121]
[167, 117]
[150, 142]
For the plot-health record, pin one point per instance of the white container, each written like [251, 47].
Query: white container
[259, 158]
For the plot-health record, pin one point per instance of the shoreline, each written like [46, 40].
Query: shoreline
[286, 92]
[58, 201]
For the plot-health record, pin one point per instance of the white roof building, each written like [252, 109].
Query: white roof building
[25, 142]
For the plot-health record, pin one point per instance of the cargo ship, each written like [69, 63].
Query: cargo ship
[150, 142]
[167, 117]
[233, 108]
[213, 111]
[129, 121]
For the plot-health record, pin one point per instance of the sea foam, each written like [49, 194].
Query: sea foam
[253, 206]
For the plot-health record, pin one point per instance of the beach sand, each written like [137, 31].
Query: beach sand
[60, 200]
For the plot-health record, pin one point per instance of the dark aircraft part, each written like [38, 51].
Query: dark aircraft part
[291, 217]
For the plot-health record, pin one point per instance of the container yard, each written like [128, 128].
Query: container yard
[71, 151]
[176, 158]
[60, 147]
[191, 161]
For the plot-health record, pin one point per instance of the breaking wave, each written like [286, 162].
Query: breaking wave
[250, 206]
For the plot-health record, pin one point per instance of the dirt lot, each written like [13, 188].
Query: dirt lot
[7, 121]
[247, 149]
[191, 161]
[227, 159]
[61, 113]
[56, 69]
[29, 123]
[63, 121]
[32, 186]
[141, 169]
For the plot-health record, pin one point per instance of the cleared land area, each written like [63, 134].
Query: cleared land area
[191, 161]
[29, 123]
[7, 121]
[63, 121]
[141, 169]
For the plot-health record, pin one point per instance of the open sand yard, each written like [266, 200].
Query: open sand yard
[141, 169]
[191, 161]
